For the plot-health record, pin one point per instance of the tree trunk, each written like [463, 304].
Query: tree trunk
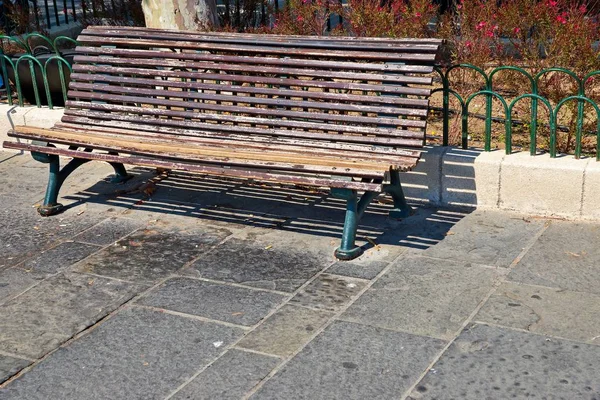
[195, 15]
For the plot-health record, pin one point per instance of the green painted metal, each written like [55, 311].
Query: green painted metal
[533, 94]
[24, 43]
[57, 177]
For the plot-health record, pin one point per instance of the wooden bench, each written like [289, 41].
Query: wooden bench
[343, 113]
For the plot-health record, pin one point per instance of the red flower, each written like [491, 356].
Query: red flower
[516, 30]
[582, 8]
[480, 25]
[468, 44]
[417, 14]
[552, 3]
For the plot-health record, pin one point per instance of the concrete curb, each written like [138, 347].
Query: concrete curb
[452, 177]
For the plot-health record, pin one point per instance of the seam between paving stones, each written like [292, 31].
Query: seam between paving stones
[190, 316]
[549, 336]
[260, 353]
[234, 284]
[471, 316]
[558, 289]
[108, 316]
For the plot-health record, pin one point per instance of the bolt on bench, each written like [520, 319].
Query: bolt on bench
[344, 113]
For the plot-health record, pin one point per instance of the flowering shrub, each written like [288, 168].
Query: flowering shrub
[398, 18]
[305, 17]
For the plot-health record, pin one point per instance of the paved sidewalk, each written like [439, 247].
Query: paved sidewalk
[187, 287]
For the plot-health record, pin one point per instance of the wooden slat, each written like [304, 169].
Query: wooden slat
[200, 168]
[273, 102]
[220, 66]
[186, 44]
[256, 59]
[300, 147]
[259, 114]
[417, 106]
[254, 79]
[94, 118]
[75, 124]
[409, 138]
[261, 159]
[267, 40]
[270, 36]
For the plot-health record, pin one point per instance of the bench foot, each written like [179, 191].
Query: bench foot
[401, 208]
[355, 209]
[121, 175]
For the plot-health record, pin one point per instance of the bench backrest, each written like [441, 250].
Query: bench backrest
[372, 91]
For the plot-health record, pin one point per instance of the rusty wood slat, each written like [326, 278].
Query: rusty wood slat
[298, 146]
[74, 123]
[206, 155]
[415, 137]
[250, 39]
[277, 102]
[392, 89]
[257, 59]
[420, 105]
[199, 168]
[302, 52]
[254, 111]
[218, 66]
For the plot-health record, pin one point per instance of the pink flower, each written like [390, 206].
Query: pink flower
[582, 8]
[562, 18]
[418, 14]
[552, 3]
[468, 44]
[480, 25]
[299, 18]
[489, 34]
[517, 30]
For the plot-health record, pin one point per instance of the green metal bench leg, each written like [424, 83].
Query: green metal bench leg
[401, 207]
[51, 206]
[121, 174]
[355, 209]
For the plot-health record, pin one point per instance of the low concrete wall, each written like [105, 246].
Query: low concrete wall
[560, 187]
[447, 176]
[29, 116]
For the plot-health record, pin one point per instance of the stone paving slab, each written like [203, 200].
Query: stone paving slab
[59, 257]
[487, 237]
[50, 313]
[498, 363]
[424, 296]
[138, 354]
[358, 269]
[566, 256]
[23, 233]
[350, 361]
[555, 312]
[151, 254]
[229, 378]
[329, 292]
[262, 264]
[16, 280]
[236, 305]
[109, 231]
[284, 332]
[10, 366]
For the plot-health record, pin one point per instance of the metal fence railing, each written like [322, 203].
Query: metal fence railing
[531, 93]
[37, 75]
